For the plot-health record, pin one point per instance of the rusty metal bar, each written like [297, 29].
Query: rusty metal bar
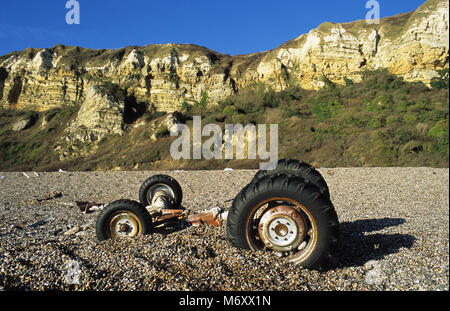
[215, 217]
[204, 218]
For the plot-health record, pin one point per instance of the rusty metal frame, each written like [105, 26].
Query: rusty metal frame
[163, 217]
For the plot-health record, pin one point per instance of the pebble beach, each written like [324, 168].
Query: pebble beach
[394, 235]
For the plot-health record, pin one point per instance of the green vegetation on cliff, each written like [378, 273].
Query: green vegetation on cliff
[382, 121]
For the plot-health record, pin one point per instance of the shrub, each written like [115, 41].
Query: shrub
[348, 82]
[440, 131]
[380, 103]
[269, 98]
[328, 83]
[375, 123]
[203, 100]
[230, 110]
[185, 107]
[401, 107]
[242, 119]
[287, 112]
[410, 118]
[243, 107]
[162, 132]
[442, 81]
[392, 119]
[374, 106]
[324, 111]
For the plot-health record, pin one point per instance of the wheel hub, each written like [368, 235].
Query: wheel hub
[160, 195]
[124, 224]
[282, 228]
[124, 227]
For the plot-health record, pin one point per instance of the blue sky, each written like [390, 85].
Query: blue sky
[229, 27]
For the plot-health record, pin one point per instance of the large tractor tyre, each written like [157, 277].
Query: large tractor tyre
[286, 214]
[123, 218]
[297, 168]
[161, 184]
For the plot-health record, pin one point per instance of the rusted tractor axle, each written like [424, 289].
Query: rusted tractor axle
[287, 210]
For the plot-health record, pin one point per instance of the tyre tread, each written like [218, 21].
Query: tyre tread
[303, 189]
[133, 206]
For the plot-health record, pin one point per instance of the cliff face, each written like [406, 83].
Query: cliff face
[414, 45]
[162, 76]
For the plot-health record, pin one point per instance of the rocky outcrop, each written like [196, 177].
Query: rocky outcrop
[37, 83]
[100, 115]
[414, 45]
[24, 122]
[423, 46]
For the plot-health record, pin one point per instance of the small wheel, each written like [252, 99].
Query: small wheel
[285, 214]
[123, 218]
[297, 168]
[161, 183]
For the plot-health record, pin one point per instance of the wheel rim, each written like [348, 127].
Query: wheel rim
[124, 224]
[281, 228]
[282, 225]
